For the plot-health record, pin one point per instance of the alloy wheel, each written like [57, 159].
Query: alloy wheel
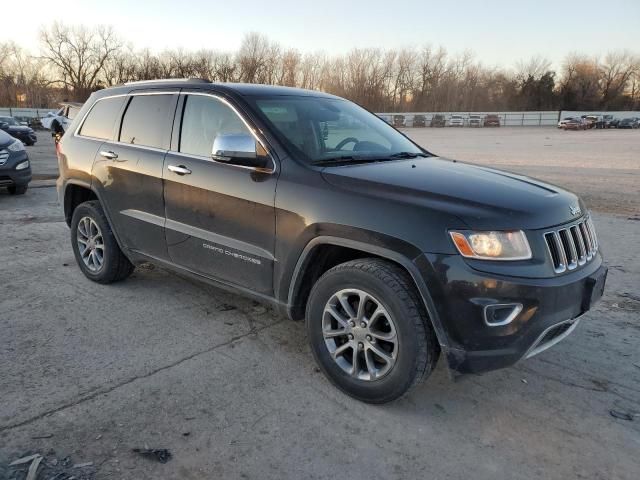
[360, 334]
[90, 244]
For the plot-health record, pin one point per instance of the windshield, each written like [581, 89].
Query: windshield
[9, 120]
[321, 129]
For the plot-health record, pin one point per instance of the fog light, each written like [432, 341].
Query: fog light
[500, 314]
[22, 165]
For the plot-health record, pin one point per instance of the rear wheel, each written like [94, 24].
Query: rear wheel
[94, 245]
[17, 189]
[369, 331]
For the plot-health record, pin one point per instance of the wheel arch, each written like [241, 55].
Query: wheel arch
[311, 258]
[77, 192]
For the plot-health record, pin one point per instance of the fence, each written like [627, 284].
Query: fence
[507, 119]
[26, 112]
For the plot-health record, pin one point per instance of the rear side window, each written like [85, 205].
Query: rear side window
[147, 121]
[203, 120]
[99, 122]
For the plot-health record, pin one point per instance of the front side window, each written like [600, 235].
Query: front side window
[147, 121]
[99, 123]
[204, 119]
[322, 129]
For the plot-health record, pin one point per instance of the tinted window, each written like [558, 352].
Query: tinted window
[99, 122]
[147, 121]
[203, 120]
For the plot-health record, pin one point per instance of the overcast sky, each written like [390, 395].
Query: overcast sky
[500, 32]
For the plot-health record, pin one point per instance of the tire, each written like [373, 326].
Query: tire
[390, 290]
[17, 189]
[115, 266]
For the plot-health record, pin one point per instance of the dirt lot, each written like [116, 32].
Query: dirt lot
[231, 389]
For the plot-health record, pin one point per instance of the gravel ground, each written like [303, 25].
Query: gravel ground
[231, 388]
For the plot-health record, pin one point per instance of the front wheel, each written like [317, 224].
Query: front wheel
[94, 245]
[369, 331]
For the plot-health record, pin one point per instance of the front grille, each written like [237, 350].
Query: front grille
[4, 155]
[572, 246]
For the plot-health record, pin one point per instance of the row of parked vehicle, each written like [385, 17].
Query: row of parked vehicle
[440, 120]
[586, 122]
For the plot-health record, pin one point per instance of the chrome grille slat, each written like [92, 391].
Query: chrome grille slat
[572, 246]
[4, 155]
[577, 238]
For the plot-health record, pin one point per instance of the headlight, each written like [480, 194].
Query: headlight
[16, 146]
[22, 165]
[492, 245]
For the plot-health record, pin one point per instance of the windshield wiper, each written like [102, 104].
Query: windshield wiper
[342, 159]
[367, 159]
[408, 155]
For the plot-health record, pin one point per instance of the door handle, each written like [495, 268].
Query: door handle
[109, 154]
[179, 169]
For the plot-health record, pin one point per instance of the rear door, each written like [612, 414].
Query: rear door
[220, 217]
[130, 170]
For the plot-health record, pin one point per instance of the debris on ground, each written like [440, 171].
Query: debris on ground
[621, 415]
[46, 435]
[225, 307]
[47, 467]
[162, 455]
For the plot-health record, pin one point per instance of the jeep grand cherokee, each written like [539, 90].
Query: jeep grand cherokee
[391, 254]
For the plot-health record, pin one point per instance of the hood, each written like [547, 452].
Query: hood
[20, 129]
[483, 198]
[5, 139]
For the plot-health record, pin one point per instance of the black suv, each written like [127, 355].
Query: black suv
[309, 202]
[21, 132]
[438, 120]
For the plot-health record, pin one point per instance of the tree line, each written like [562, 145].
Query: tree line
[74, 61]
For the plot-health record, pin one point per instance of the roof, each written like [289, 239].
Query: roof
[244, 89]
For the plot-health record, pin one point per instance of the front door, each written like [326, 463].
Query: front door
[220, 218]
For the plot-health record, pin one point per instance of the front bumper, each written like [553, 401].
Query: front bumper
[549, 310]
[9, 176]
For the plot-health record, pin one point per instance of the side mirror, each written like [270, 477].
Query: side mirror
[239, 149]
[4, 126]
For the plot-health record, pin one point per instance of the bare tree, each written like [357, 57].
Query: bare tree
[78, 54]
[616, 73]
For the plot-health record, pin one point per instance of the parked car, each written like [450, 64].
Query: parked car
[607, 121]
[438, 120]
[575, 123]
[572, 123]
[456, 121]
[589, 121]
[15, 169]
[419, 121]
[475, 120]
[492, 120]
[397, 258]
[398, 121]
[59, 121]
[614, 122]
[15, 129]
[629, 122]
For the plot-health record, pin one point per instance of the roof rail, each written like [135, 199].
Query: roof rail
[170, 80]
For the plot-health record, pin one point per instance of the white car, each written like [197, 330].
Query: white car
[456, 121]
[64, 116]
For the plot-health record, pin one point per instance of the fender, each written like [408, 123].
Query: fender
[382, 252]
[90, 186]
